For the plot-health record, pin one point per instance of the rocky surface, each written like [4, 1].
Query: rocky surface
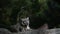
[4, 31]
[49, 31]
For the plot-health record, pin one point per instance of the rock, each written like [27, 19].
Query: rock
[4, 31]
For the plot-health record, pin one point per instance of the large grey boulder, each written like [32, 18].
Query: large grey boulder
[4, 31]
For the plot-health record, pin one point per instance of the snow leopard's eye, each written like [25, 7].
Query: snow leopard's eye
[24, 23]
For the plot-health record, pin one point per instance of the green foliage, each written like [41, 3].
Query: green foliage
[10, 10]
